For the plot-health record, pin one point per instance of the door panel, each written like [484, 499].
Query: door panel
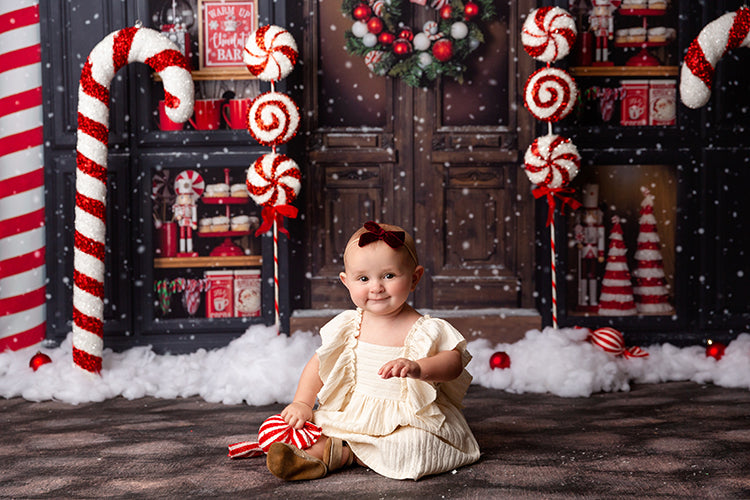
[440, 161]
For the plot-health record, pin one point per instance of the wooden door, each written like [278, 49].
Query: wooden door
[442, 162]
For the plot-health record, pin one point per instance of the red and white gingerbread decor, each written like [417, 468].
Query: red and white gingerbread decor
[551, 161]
[617, 290]
[716, 39]
[275, 430]
[651, 294]
[135, 44]
[273, 119]
[548, 34]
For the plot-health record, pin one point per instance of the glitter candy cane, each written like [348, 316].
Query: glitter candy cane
[715, 39]
[134, 44]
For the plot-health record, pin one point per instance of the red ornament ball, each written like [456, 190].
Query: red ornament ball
[500, 360]
[446, 12]
[375, 25]
[442, 50]
[471, 10]
[362, 12]
[386, 38]
[401, 47]
[406, 34]
[38, 360]
[715, 350]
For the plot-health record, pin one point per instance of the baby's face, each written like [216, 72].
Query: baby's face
[379, 278]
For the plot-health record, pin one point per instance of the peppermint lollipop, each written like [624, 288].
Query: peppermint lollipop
[550, 94]
[273, 118]
[548, 34]
[273, 179]
[552, 161]
[270, 53]
[189, 182]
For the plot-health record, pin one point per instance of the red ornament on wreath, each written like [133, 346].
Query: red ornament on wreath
[401, 47]
[362, 12]
[406, 34]
[375, 25]
[471, 10]
[446, 12]
[442, 50]
[386, 38]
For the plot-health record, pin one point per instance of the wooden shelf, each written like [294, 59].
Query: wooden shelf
[217, 74]
[182, 262]
[627, 71]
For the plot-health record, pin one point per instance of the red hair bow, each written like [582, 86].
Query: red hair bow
[393, 239]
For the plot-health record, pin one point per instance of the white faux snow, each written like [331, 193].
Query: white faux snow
[262, 367]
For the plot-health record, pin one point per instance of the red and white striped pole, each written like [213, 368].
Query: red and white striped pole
[22, 239]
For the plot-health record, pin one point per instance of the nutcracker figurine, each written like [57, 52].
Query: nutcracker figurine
[589, 238]
[186, 214]
[601, 22]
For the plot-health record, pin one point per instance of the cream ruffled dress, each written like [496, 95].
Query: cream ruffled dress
[401, 428]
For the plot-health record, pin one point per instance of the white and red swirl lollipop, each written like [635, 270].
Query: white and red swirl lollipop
[550, 94]
[270, 53]
[273, 118]
[189, 182]
[548, 34]
[552, 161]
[274, 179]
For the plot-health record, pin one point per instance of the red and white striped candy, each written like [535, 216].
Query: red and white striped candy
[550, 94]
[609, 339]
[552, 161]
[273, 118]
[273, 180]
[377, 7]
[189, 182]
[115, 51]
[548, 34]
[275, 430]
[715, 39]
[372, 58]
[270, 53]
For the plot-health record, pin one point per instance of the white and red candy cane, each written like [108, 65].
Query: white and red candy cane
[715, 39]
[270, 53]
[134, 44]
[275, 430]
[548, 34]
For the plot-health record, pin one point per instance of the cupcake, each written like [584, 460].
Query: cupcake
[220, 190]
[204, 225]
[220, 224]
[657, 4]
[658, 34]
[621, 35]
[637, 35]
[241, 223]
[239, 191]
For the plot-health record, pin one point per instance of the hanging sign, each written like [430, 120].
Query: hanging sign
[224, 28]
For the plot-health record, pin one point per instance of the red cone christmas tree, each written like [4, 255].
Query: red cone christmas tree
[616, 298]
[651, 296]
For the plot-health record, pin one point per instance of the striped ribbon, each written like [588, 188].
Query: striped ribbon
[22, 236]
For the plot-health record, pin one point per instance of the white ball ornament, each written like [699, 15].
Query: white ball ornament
[421, 42]
[424, 59]
[359, 29]
[474, 44]
[459, 30]
[369, 40]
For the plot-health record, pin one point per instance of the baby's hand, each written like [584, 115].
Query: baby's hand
[401, 368]
[296, 414]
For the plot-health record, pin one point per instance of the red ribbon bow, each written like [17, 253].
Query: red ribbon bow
[393, 239]
[276, 213]
[550, 193]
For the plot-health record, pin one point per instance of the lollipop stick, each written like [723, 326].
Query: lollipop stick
[554, 273]
[276, 272]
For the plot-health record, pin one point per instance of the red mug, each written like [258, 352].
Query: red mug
[164, 122]
[167, 240]
[207, 114]
[235, 112]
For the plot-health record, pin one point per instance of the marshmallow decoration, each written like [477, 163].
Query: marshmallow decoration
[275, 430]
[270, 53]
[552, 161]
[548, 34]
[273, 180]
[550, 94]
[273, 118]
[119, 48]
[715, 39]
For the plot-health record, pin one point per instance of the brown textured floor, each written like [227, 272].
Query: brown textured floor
[656, 441]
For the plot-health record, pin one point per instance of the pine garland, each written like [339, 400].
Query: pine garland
[407, 67]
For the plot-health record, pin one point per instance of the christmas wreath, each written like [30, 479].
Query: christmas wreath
[390, 46]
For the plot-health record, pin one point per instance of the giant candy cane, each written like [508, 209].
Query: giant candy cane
[716, 39]
[117, 49]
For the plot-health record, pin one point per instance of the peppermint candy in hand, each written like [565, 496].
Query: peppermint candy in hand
[552, 161]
